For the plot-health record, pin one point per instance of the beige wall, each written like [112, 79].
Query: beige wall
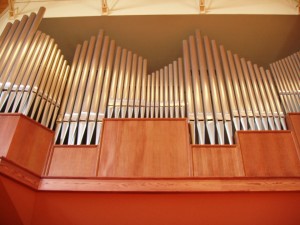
[260, 38]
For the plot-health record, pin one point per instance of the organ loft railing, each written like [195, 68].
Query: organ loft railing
[217, 91]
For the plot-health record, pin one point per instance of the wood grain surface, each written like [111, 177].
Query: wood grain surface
[293, 122]
[73, 161]
[30, 144]
[189, 184]
[145, 148]
[217, 161]
[8, 125]
[269, 153]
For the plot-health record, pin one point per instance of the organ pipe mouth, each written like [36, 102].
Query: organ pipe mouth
[216, 90]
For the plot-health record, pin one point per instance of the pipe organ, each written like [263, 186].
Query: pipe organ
[218, 91]
[33, 72]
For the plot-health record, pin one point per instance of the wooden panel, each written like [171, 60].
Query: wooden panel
[30, 144]
[293, 122]
[145, 148]
[8, 124]
[217, 161]
[74, 161]
[269, 153]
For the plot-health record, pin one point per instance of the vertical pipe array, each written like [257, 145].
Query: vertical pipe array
[223, 87]
[33, 72]
[105, 80]
[286, 74]
[216, 90]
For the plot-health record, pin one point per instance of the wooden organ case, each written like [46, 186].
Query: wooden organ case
[209, 131]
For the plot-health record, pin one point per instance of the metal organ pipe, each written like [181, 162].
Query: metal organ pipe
[216, 90]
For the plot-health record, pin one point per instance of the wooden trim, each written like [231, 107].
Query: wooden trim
[19, 174]
[27, 118]
[171, 185]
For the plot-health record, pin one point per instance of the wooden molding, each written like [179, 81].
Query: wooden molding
[19, 174]
[172, 185]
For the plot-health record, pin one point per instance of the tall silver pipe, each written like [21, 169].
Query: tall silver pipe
[132, 85]
[15, 81]
[190, 96]
[284, 88]
[237, 92]
[73, 91]
[219, 122]
[125, 94]
[171, 91]
[60, 96]
[148, 97]
[230, 91]
[276, 100]
[86, 104]
[113, 87]
[166, 92]
[284, 97]
[97, 91]
[182, 99]
[223, 93]
[265, 83]
[51, 91]
[258, 97]
[156, 101]
[294, 84]
[12, 46]
[137, 98]
[4, 33]
[253, 101]
[68, 89]
[30, 76]
[161, 93]
[53, 102]
[5, 43]
[269, 112]
[144, 89]
[296, 56]
[80, 93]
[105, 90]
[176, 90]
[294, 70]
[207, 102]
[13, 65]
[118, 100]
[152, 98]
[40, 74]
[244, 92]
[199, 110]
[288, 84]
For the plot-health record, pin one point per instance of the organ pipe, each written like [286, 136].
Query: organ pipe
[216, 90]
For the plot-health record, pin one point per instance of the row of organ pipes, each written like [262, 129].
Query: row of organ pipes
[33, 71]
[217, 91]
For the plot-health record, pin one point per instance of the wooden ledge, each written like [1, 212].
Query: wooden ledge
[19, 174]
[151, 185]
[171, 185]
[29, 119]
